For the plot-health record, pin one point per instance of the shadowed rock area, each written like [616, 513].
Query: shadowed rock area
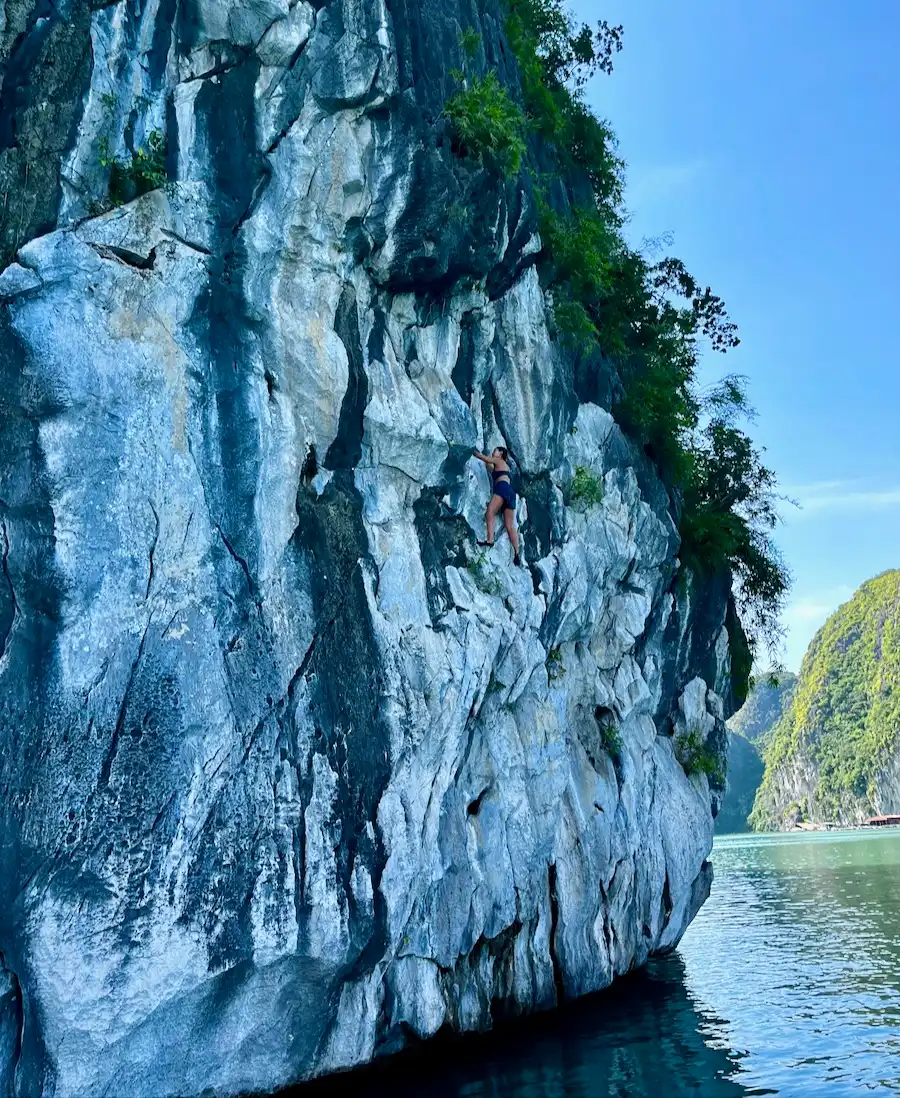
[749, 731]
[291, 772]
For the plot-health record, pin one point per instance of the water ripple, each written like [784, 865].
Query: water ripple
[799, 949]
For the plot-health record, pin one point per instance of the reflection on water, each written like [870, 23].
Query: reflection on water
[642, 1038]
[799, 948]
[788, 983]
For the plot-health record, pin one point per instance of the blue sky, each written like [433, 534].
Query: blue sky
[765, 136]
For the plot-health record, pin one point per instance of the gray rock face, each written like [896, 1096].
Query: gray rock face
[291, 772]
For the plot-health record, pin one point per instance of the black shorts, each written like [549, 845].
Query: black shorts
[506, 493]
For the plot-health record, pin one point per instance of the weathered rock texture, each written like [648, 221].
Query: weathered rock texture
[290, 774]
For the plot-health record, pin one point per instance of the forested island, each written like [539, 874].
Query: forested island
[823, 749]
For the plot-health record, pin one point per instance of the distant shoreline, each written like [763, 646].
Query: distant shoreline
[800, 829]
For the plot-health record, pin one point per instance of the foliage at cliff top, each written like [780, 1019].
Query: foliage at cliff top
[845, 713]
[647, 318]
[765, 706]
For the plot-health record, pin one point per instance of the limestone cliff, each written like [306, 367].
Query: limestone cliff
[291, 773]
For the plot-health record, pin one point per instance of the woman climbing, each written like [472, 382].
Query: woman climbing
[503, 500]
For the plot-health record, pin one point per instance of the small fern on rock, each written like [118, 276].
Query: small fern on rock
[585, 490]
[697, 757]
[144, 171]
[485, 580]
[555, 667]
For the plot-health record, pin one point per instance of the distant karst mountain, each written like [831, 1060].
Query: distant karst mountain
[835, 754]
[764, 707]
[747, 734]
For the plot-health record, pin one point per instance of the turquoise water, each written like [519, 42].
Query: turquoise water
[787, 983]
[797, 956]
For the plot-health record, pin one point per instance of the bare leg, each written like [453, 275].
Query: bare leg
[509, 521]
[490, 517]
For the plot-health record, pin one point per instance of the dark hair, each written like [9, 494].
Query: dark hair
[503, 452]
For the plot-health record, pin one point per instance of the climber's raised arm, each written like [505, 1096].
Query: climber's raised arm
[483, 457]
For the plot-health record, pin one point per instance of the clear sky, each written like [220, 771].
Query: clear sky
[765, 136]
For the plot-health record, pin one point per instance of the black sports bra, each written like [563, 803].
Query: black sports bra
[496, 474]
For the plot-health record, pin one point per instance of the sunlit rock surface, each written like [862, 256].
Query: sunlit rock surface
[291, 772]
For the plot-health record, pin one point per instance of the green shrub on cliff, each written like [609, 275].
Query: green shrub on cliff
[697, 757]
[844, 720]
[143, 171]
[611, 740]
[648, 318]
[487, 124]
[585, 490]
